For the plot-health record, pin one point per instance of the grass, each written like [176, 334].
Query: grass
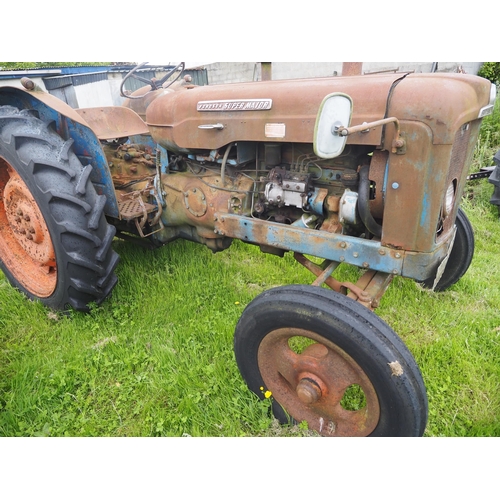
[154, 360]
[157, 360]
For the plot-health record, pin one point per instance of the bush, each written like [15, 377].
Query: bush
[490, 71]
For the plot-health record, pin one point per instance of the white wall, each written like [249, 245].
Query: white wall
[94, 94]
[114, 81]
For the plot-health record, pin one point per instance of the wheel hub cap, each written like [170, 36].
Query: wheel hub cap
[308, 391]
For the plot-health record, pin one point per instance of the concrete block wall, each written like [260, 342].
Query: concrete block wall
[233, 72]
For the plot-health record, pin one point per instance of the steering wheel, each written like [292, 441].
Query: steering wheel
[154, 83]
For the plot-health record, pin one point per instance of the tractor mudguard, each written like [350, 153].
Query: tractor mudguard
[112, 122]
[69, 125]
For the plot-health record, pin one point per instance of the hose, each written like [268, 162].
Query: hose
[224, 161]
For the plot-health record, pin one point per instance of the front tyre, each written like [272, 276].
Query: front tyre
[331, 362]
[55, 242]
[460, 256]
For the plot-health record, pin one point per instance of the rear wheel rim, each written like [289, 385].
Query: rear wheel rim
[312, 384]
[25, 243]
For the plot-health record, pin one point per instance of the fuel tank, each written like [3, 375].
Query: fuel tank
[209, 117]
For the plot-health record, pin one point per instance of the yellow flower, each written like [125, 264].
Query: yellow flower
[236, 303]
[268, 394]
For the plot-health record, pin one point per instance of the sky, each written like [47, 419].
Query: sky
[271, 31]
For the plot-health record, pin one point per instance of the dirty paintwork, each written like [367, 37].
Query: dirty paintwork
[237, 153]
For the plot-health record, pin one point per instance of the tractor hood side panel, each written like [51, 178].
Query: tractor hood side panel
[283, 111]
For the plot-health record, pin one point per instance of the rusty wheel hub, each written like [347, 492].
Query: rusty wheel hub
[308, 391]
[25, 242]
[312, 384]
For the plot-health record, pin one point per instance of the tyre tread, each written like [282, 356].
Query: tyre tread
[73, 210]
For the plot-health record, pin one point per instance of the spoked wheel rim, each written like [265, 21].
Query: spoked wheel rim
[25, 242]
[312, 384]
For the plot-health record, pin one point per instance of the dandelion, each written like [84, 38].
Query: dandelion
[237, 303]
[267, 394]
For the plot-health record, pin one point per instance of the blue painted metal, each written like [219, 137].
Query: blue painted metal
[424, 216]
[316, 201]
[88, 148]
[86, 145]
[367, 254]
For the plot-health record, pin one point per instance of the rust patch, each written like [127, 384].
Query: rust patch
[25, 243]
[111, 122]
[311, 384]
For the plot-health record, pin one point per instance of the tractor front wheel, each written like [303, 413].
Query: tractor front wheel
[329, 361]
[55, 242]
[460, 256]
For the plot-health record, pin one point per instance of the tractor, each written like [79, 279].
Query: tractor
[359, 170]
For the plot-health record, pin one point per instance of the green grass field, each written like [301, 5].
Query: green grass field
[156, 359]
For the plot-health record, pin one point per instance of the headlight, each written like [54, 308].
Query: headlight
[487, 110]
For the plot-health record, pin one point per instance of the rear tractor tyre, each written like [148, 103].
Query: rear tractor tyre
[55, 242]
[327, 360]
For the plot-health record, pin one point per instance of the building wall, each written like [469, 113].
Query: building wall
[232, 72]
[93, 94]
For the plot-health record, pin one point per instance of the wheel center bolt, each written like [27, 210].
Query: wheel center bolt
[308, 391]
